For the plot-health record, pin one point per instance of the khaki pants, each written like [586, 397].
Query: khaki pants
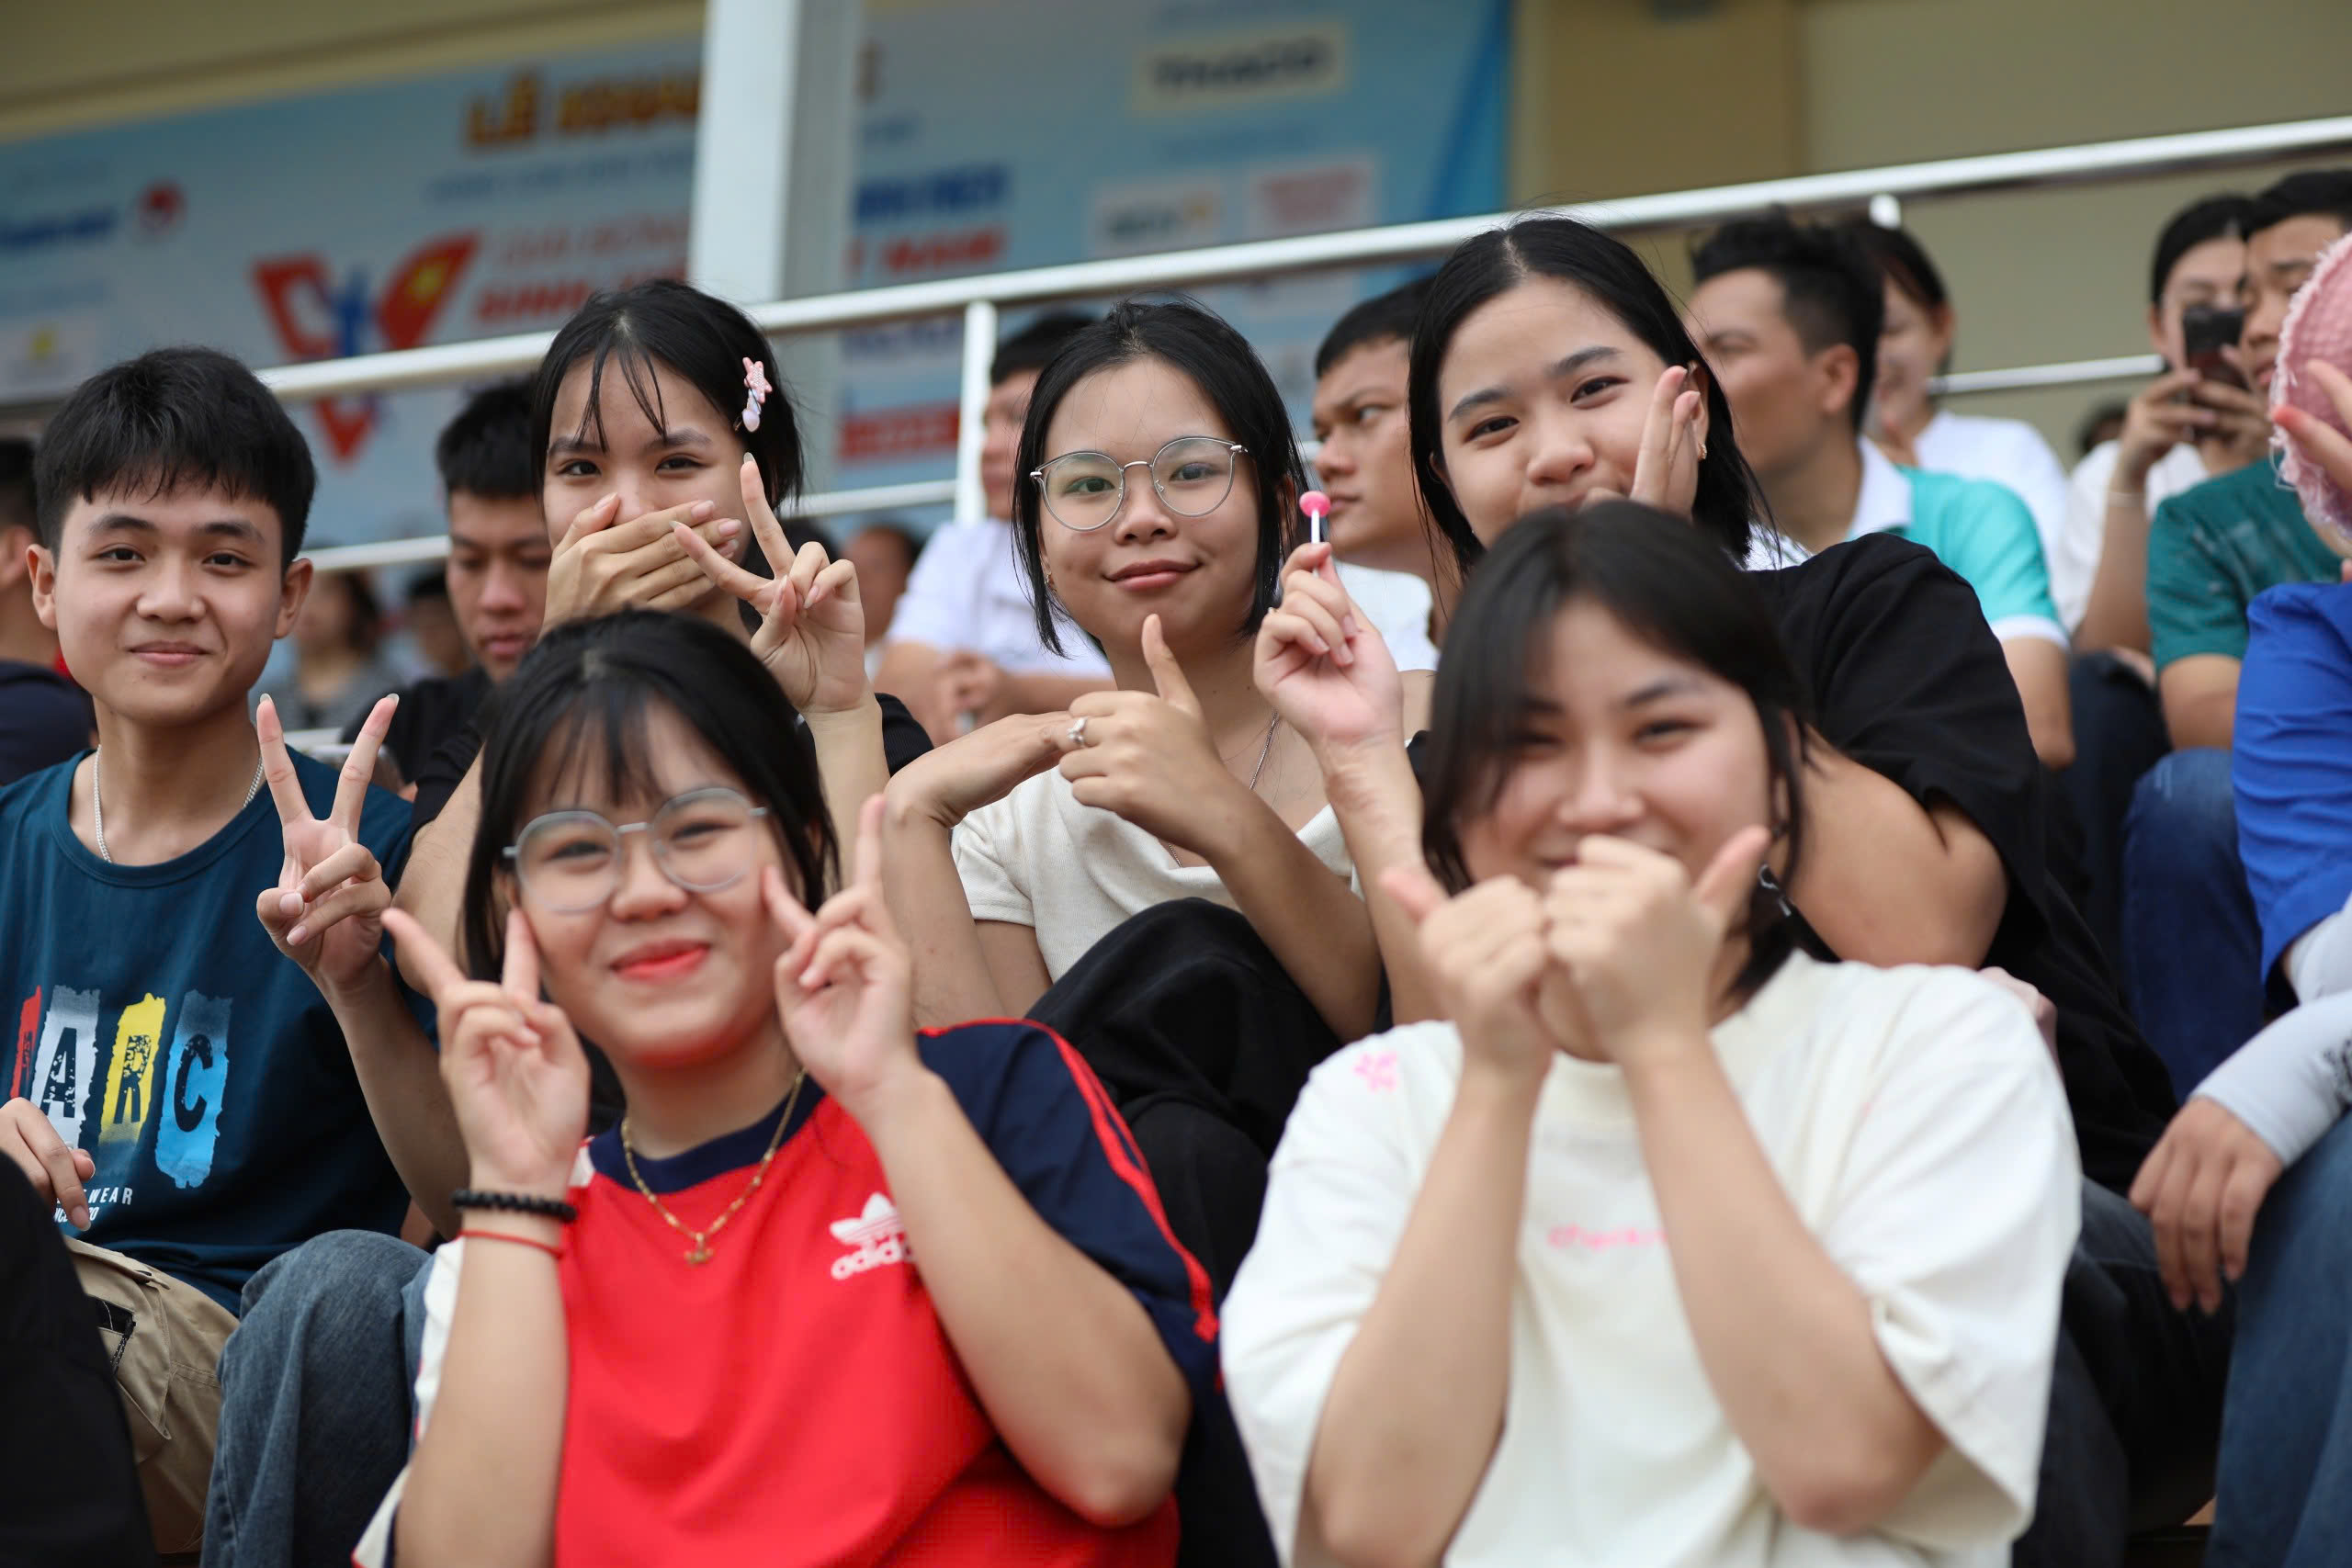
[164, 1338]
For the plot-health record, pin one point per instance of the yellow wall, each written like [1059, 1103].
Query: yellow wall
[1746, 89]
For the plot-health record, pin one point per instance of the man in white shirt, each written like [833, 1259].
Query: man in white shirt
[1789, 315]
[963, 647]
[1364, 458]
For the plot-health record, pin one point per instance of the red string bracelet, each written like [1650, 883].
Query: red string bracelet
[555, 1252]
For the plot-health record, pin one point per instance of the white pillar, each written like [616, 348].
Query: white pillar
[773, 157]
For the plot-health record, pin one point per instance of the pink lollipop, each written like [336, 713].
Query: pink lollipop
[1317, 506]
[2318, 326]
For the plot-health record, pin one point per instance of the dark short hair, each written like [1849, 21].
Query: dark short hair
[1901, 261]
[172, 418]
[2308, 193]
[2208, 217]
[698, 337]
[18, 508]
[895, 528]
[1381, 319]
[579, 706]
[1200, 345]
[1603, 268]
[1034, 345]
[486, 450]
[1669, 586]
[1829, 286]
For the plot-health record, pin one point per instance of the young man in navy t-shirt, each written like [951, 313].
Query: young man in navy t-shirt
[190, 1102]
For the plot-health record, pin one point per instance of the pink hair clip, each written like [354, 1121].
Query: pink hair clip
[755, 392]
[2318, 326]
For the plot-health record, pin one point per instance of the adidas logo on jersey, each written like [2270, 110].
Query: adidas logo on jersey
[874, 1236]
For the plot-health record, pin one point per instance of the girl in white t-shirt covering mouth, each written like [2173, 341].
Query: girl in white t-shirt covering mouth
[1676, 1245]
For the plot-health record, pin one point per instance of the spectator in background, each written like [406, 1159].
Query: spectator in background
[341, 668]
[1789, 316]
[2102, 425]
[963, 646]
[2191, 944]
[431, 623]
[2182, 428]
[497, 573]
[884, 553]
[44, 717]
[1387, 559]
[1914, 345]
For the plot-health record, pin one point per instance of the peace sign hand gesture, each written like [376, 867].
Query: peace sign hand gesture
[812, 627]
[326, 912]
[518, 1077]
[844, 986]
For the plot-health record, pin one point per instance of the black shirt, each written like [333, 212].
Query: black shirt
[1907, 680]
[69, 1492]
[44, 718]
[431, 712]
[903, 741]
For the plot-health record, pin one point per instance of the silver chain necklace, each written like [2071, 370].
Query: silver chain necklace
[1264, 752]
[98, 805]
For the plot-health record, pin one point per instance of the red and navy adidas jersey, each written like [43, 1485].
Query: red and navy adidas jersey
[794, 1399]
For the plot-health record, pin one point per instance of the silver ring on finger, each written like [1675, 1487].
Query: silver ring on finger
[1078, 735]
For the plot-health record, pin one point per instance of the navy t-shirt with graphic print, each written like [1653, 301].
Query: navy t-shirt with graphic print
[154, 1024]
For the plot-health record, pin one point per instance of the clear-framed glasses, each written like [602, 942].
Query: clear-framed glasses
[1193, 474]
[704, 840]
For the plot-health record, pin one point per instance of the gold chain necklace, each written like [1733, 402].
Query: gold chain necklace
[700, 1253]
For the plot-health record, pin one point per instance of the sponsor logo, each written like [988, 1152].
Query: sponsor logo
[975, 188]
[1264, 65]
[874, 1238]
[86, 227]
[317, 317]
[916, 431]
[160, 208]
[1155, 215]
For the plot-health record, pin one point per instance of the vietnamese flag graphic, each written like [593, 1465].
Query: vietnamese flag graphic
[294, 289]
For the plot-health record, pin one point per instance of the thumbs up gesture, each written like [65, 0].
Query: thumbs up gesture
[1151, 757]
[1638, 938]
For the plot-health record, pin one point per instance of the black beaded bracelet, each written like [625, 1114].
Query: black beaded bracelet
[514, 1203]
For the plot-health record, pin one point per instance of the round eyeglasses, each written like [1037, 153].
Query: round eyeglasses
[1193, 474]
[704, 840]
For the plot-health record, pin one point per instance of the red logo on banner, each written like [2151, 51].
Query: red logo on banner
[316, 318]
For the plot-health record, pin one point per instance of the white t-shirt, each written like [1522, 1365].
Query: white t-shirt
[1917, 1124]
[2007, 451]
[966, 592]
[2074, 558]
[1398, 603]
[1073, 873]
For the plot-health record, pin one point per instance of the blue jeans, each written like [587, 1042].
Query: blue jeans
[316, 1389]
[2282, 1501]
[2192, 949]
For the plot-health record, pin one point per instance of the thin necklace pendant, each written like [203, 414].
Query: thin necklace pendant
[700, 1254]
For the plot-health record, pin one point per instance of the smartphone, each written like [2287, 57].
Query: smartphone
[2205, 331]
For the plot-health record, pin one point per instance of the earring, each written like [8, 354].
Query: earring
[1772, 886]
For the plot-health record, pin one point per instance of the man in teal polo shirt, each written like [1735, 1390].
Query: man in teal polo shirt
[1789, 315]
[2192, 950]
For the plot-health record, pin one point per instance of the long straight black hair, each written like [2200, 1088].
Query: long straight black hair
[1728, 502]
[1199, 346]
[579, 706]
[1667, 583]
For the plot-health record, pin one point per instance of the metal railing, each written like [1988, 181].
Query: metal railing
[980, 298]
